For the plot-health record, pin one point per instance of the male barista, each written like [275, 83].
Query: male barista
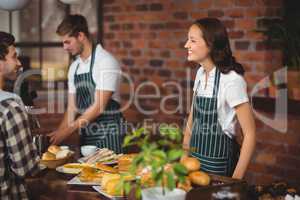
[18, 154]
[93, 90]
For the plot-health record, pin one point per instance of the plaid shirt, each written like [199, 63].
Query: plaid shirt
[18, 154]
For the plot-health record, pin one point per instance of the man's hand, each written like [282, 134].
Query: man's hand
[56, 137]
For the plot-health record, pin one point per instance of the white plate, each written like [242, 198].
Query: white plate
[99, 190]
[105, 163]
[62, 169]
[76, 181]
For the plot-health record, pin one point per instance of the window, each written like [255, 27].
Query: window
[34, 28]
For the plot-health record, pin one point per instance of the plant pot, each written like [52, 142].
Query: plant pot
[156, 193]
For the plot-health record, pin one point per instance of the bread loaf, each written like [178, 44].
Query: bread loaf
[62, 154]
[191, 164]
[54, 149]
[199, 178]
[48, 156]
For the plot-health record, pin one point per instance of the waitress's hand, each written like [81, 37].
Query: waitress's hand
[56, 137]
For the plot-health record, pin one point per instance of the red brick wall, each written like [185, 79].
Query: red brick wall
[148, 38]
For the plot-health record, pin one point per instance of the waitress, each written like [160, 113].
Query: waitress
[220, 97]
[93, 90]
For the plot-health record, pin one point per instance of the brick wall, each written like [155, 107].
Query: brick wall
[148, 38]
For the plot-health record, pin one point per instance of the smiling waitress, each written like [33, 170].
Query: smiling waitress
[220, 97]
[93, 82]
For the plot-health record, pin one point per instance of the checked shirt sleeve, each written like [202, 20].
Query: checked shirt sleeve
[22, 152]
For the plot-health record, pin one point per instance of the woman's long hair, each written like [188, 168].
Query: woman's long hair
[216, 38]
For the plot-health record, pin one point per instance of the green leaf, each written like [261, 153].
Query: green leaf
[127, 140]
[138, 192]
[171, 182]
[174, 154]
[160, 154]
[175, 134]
[120, 186]
[181, 179]
[138, 159]
[179, 169]
[157, 176]
[138, 132]
[164, 143]
[127, 187]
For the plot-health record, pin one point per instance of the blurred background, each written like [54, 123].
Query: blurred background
[147, 37]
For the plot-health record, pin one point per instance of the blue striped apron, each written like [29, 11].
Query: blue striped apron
[107, 130]
[217, 152]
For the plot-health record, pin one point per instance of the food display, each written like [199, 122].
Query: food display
[109, 183]
[124, 161]
[56, 156]
[93, 172]
[54, 149]
[72, 168]
[48, 156]
[55, 152]
[105, 168]
[199, 178]
[276, 190]
[195, 176]
[190, 163]
[90, 174]
[101, 156]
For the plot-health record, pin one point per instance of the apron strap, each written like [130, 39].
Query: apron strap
[91, 64]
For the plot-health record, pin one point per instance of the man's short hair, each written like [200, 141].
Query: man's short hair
[72, 25]
[6, 40]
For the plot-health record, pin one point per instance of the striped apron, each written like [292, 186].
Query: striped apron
[217, 153]
[107, 130]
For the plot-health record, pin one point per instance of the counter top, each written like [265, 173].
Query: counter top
[50, 184]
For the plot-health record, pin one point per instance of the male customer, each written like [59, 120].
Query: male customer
[18, 154]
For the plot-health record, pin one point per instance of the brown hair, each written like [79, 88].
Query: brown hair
[6, 40]
[72, 25]
[216, 38]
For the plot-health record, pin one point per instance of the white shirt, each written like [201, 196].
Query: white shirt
[106, 72]
[232, 92]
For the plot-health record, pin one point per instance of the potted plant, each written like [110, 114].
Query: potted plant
[160, 160]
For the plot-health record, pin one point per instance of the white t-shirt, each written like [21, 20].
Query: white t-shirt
[106, 72]
[232, 92]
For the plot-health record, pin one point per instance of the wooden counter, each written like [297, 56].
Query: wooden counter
[52, 185]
